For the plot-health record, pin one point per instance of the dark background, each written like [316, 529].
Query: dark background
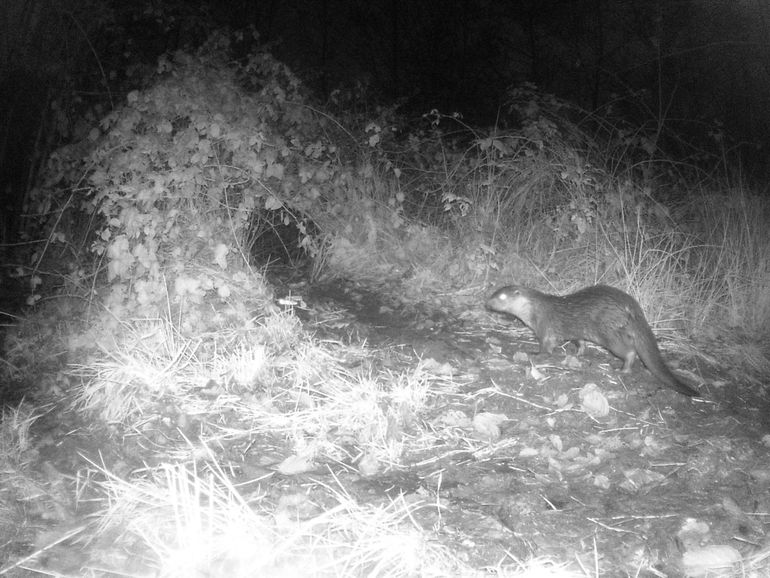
[695, 72]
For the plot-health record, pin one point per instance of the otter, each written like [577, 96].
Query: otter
[600, 314]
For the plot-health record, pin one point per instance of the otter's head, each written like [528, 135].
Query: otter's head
[514, 301]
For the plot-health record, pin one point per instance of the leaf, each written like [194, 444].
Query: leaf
[562, 401]
[296, 464]
[535, 373]
[636, 478]
[368, 465]
[120, 258]
[708, 560]
[273, 203]
[220, 255]
[593, 401]
[275, 170]
[602, 481]
[488, 424]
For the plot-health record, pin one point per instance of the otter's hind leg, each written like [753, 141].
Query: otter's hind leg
[622, 342]
[629, 357]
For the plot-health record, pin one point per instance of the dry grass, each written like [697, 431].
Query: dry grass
[196, 524]
[192, 524]
[730, 262]
[311, 404]
[146, 361]
[15, 441]
[321, 399]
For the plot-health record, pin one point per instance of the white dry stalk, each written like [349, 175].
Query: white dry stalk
[14, 432]
[190, 524]
[199, 526]
[151, 360]
[246, 367]
[282, 330]
[415, 388]
[347, 403]
[372, 410]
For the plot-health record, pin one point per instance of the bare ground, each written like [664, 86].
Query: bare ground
[628, 492]
[619, 478]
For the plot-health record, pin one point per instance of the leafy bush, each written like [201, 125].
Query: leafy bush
[182, 171]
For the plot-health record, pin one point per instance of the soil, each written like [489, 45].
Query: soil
[622, 491]
[625, 492]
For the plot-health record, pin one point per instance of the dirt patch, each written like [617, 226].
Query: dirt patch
[556, 457]
[625, 488]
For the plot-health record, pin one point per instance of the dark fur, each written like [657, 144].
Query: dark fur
[599, 314]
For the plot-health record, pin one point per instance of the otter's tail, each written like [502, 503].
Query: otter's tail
[648, 351]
